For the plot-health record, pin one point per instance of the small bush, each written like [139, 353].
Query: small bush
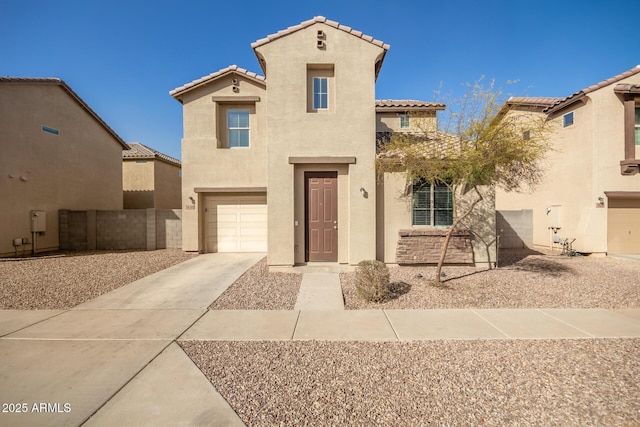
[372, 281]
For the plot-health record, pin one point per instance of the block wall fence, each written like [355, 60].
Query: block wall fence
[147, 229]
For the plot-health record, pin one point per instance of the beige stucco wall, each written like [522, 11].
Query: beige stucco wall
[167, 184]
[151, 184]
[138, 184]
[346, 130]
[418, 121]
[205, 163]
[584, 164]
[394, 213]
[137, 174]
[81, 168]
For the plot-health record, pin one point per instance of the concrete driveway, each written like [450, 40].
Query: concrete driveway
[61, 367]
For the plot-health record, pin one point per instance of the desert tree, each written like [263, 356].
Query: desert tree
[482, 143]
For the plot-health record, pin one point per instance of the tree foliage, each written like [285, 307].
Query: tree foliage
[482, 141]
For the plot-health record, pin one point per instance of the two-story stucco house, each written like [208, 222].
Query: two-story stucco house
[56, 153]
[285, 163]
[591, 192]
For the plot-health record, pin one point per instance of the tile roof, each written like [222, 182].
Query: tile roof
[626, 88]
[532, 101]
[206, 79]
[141, 151]
[315, 20]
[406, 105]
[59, 82]
[564, 102]
[435, 143]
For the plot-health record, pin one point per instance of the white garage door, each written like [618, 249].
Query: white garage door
[236, 223]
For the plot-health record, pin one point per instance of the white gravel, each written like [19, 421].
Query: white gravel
[65, 280]
[526, 279]
[260, 289]
[507, 383]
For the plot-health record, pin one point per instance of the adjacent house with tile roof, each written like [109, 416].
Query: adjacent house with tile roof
[285, 163]
[150, 179]
[592, 188]
[57, 153]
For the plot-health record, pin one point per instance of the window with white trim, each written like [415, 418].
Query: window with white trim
[238, 128]
[321, 87]
[404, 121]
[432, 204]
[320, 93]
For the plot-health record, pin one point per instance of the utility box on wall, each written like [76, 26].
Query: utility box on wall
[38, 221]
[553, 216]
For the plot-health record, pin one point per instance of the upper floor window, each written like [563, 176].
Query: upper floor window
[637, 125]
[432, 204]
[320, 93]
[404, 121]
[567, 119]
[321, 87]
[238, 126]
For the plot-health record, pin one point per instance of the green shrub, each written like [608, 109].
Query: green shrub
[372, 281]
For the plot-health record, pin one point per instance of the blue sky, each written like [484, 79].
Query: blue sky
[123, 57]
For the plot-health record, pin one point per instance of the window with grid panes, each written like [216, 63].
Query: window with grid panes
[238, 126]
[432, 204]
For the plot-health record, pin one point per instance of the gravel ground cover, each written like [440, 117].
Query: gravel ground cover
[260, 289]
[62, 281]
[502, 382]
[525, 279]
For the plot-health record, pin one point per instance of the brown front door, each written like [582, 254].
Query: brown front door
[322, 216]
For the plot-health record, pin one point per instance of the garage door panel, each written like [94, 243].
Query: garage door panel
[623, 226]
[236, 224]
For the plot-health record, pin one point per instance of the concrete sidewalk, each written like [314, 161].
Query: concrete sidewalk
[412, 325]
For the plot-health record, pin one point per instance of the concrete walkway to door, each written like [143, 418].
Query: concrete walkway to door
[320, 288]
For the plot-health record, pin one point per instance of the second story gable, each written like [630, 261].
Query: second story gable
[606, 117]
[321, 78]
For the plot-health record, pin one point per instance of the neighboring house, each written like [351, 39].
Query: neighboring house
[150, 179]
[591, 192]
[286, 163]
[57, 153]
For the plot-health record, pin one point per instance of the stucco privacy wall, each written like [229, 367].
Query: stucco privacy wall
[347, 130]
[79, 168]
[123, 229]
[394, 214]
